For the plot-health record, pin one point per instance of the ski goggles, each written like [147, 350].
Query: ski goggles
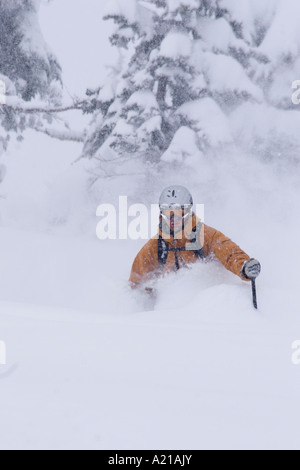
[176, 212]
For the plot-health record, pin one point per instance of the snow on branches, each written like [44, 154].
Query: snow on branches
[185, 64]
[28, 70]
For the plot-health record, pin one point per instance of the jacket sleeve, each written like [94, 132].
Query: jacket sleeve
[145, 264]
[225, 250]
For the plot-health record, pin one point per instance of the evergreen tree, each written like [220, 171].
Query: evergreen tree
[27, 67]
[185, 65]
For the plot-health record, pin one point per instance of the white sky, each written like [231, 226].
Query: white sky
[76, 33]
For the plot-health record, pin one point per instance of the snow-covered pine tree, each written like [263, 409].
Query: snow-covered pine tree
[269, 130]
[27, 67]
[185, 65]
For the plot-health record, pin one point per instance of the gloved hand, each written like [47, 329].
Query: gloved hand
[251, 269]
[150, 298]
[151, 291]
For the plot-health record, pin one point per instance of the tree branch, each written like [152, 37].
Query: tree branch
[28, 110]
[70, 136]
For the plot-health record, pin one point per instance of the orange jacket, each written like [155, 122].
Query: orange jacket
[147, 266]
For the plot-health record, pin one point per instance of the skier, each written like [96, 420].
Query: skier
[183, 239]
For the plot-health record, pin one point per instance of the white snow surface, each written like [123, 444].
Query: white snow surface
[183, 148]
[92, 365]
[210, 121]
[92, 369]
[143, 98]
[176, 45]
[226, 75]
[251, 14]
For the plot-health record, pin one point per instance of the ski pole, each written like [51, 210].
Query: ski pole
[251, 271]
[254, 295]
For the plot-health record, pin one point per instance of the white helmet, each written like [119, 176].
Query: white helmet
[175, 197]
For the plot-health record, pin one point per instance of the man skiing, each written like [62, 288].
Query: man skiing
[183, 239]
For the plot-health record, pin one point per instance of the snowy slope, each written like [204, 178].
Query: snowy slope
[159, 380]
[203, 370]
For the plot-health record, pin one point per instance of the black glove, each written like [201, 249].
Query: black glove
[251, 269]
